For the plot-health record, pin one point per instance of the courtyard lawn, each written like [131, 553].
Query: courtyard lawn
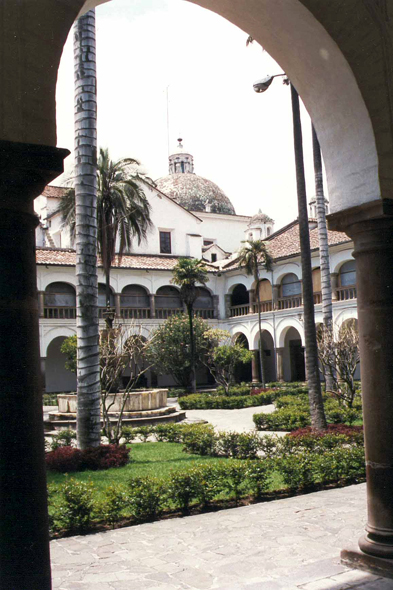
[155, 459]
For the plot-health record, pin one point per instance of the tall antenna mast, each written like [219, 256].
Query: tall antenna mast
[167, 116]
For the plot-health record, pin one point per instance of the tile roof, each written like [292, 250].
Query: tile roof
[67, 257]
[285, 242]
[54, 191]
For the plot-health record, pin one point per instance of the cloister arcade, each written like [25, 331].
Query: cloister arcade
[352, 112]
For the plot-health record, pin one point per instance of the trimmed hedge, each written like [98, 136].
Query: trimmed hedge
[73, 506]
[223, 402]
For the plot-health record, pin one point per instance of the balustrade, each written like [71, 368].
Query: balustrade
[289, 302]
[345, 293]
[317, 298]
[60, 313]
[135, 313]
[265, 307]
[205, 314]
[238, 310]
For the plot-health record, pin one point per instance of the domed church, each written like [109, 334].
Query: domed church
[193, 192]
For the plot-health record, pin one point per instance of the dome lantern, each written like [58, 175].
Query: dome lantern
[181, 162]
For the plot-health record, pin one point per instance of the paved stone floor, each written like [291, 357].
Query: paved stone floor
[235, 420]
[291, 544]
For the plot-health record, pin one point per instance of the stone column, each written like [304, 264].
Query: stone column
[251, 299]
[228, 305]
[334, 281]
[152, 306]
[255, 366]
[276, 295]
[41, 303]
[280, 364]
[117, 305]
[216, 305]
[24, 541]
[371, 229]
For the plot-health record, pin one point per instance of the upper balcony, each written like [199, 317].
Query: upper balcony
[288, 293]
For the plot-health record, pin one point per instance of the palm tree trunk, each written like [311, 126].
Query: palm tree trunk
[326, 285]
[318, 419]
[263, 378]
[88, 368]
[192, 345]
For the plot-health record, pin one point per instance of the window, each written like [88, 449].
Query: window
[268, 231]
[290, 286]
[348, 274]
[165, 242]
[214, 257]
[208, 242]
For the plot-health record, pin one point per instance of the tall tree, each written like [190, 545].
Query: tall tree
[123, 212]
[88, 365]
[186, 274]
[326, 285]
[318, 419]
[253, 256]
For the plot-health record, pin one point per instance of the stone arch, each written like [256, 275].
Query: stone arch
[282, 328]
[281, 272]
[239, 295]
[53, 333]
[57, 377]
[243, 373]
[60, 301]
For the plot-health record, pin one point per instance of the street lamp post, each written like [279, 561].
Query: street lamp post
[318, 419]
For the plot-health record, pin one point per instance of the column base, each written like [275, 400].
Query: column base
[356, 559]
[377, 546]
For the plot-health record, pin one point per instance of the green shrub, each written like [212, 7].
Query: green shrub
[183, 488]
[237, 445]
[148, 497]
[200, 439]
[144, 432]
[169, 433]
[299, 401]
[209, 483]
[63, 438]
[75, 510]
[258, 476]
[129, 434]
[235, 390]
[283, 419]
[222, 402]
[111, 508]
[234, 474]
[296, 470]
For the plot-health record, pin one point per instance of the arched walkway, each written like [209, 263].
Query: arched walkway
[293, 356]
[57, 377]
[353, 116]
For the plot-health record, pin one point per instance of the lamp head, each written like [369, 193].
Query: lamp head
[263, 84]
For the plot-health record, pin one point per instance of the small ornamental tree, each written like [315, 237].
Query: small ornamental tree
[169, 351]
[339, 358]
[69, 349]
[120, 349]
[223, 357]
[186, 274]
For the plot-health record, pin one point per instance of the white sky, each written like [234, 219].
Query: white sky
[240, 140]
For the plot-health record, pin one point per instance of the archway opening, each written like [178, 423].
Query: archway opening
[57, 377]
[243, 373]
[294, 365]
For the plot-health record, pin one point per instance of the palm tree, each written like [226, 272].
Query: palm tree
[85, 221]
[123, 212]
[253, 256]
[326, 285]
[318, 419]
[186, 274]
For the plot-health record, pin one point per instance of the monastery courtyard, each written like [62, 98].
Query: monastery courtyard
[291, 544]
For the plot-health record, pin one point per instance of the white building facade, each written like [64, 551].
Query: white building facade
[193, 218]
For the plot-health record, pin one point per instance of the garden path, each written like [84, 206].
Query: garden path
[290, 544]
[234, 420]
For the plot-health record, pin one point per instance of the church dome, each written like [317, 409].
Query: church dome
[260, 218]
[190, 190]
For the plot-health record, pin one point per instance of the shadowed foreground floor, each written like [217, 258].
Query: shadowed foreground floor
[287, 544]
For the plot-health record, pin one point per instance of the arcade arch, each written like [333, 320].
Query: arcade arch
[57, 377]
